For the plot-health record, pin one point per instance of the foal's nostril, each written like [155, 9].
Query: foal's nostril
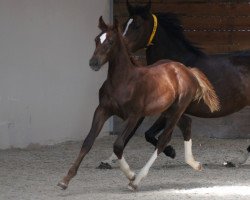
[93, 62]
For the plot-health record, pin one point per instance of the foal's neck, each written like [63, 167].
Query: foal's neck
[120, 65]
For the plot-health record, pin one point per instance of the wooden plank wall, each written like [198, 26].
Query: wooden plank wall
[216, 26]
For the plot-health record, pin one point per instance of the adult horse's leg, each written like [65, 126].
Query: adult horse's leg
[150, 136]
[100, 116]
[106, 164]
[185, 126]
[120, 143]
[240, 160]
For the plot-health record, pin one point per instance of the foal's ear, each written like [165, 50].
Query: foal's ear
[102, 24]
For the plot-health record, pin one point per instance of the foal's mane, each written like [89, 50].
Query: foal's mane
[132, 59]
[172, 25]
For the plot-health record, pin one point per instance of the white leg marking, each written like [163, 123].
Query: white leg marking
[126, 169]
[144, 171]
[189, 158]
[126, 29]
[103, 37]
[112, 159]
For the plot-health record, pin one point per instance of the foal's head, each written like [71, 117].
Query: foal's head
[106, 44]
[138, 28]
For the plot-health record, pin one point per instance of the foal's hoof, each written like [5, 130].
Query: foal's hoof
[199, 167]
[62, 185]
[132, 187]
[104, 166]
[229, 164]
[132, 179]
[195, 165]
[169, 151]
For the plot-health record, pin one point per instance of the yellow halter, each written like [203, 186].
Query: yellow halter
[153, 31]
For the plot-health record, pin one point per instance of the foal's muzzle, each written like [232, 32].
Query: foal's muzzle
[94, 64]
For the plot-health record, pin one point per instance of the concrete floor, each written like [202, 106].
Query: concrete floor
[32, 174]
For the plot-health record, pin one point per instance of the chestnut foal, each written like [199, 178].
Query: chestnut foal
[133, 92]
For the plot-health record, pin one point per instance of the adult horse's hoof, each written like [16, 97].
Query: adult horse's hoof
[229, 164]
[62, 185]
[132, 187]
[169, 151]
[104, 166]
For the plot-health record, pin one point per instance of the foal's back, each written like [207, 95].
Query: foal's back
[163, 83]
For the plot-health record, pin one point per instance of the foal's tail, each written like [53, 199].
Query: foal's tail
[206, 91]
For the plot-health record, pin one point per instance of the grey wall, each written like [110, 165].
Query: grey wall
[47, 91]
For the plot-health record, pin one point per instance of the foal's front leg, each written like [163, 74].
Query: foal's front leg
[120, 143]
[100, 116]
[106, 164]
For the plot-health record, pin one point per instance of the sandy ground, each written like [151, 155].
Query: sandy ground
[33, 173]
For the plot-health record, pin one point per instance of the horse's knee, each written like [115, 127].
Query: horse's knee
[184, 122]
[118, 149]
[185, 125]
[169, 151]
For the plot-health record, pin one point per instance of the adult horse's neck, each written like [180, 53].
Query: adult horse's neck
[120, 64]
[172, 44]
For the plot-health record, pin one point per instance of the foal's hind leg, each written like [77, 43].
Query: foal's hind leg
[173, 115]
[185, 126]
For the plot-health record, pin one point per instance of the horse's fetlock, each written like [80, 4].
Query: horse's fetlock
[148, 137]
[72, 171]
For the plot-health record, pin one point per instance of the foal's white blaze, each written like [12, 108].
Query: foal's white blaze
[189, 158]
[127, 26]
[103, 37]
[126, 169]
[144, 171]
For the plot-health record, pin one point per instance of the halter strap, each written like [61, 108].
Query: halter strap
[153, 31]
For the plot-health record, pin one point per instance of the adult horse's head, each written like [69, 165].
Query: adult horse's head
[138, 28]
[105, 44]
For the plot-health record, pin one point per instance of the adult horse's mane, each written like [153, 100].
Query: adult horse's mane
[172, 25]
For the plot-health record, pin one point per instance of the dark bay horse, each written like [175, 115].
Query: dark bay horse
[162, 36]
[133, 92]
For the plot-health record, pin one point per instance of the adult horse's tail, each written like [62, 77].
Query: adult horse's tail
[206, 91]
